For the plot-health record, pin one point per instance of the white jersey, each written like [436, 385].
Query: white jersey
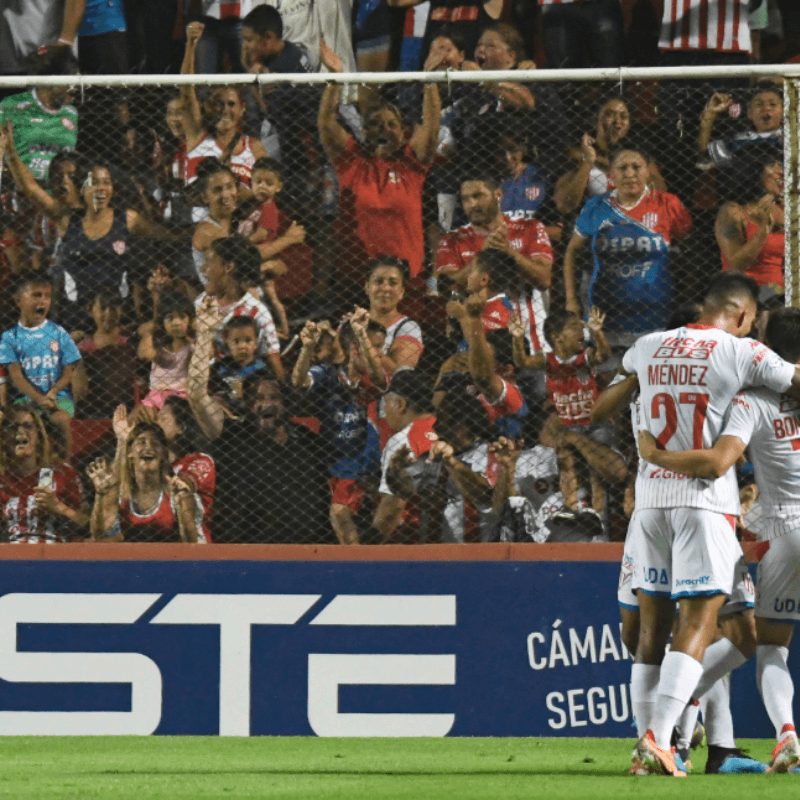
[769, 423]
[687, 379]
[536, 475]
[249, 306]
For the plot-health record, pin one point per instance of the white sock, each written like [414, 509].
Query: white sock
[716, 705]
[686, 725]
[776, 686]
[679, 676]
[644, 684]
[721, 658]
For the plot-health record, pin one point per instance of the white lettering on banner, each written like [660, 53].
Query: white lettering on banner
[599, 701]
[135, 669]
[581, 647]
[326, 672]
[235, 613]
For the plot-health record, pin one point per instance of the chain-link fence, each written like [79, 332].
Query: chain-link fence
[368, 316]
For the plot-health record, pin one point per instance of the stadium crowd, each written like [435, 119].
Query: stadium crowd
[314, 314]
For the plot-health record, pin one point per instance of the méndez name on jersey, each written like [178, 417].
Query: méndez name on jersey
[687, 379]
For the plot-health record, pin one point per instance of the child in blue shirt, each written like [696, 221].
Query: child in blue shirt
[39, 356]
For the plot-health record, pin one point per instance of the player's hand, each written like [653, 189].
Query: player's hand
[440, 451]
[401, 459]
[647, 445]
[456, 309]
[159, 281]
[209, 316]
[596, 320]
[296, 234]
[47, 402]
[329, 58]
[718, 102]
[7, 146]
[516, 327]
[101, 476]
[310, 334]
[359, 320]
[762, 213]
[122, 428]
[506, 451]
[194, 30]
[588, 153]
[497, 239]
[46, 498]
[475, 305]
[180, 486]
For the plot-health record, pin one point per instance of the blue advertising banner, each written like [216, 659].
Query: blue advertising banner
[328, 648]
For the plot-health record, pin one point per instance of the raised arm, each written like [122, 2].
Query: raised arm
[521, 359]
[602, 349]
[185, 507]
[73, 14]
[739, 252]
[309, 337]
[474, 486]
[207, 410]
[714, 107]
[713, 463]
[23, 177]
[333, 136]
[369, 354]
[576, 244]
[425, 138]
[192, 111]
[481, 359]
[106, 501]
[507, 454]
[571, 187]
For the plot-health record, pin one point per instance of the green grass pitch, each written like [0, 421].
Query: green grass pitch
[173, 768]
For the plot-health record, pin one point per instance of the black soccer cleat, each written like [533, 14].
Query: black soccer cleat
[731, 761]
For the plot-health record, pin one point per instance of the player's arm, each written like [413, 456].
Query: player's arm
[507, 453]
[576, 244]
[207, 410]
[481, 358]
[23, 177]
[615, 398]
[73, 14]
[183, 498]
[521, 359]
[712, 463]
[309, 337]
[426, 136]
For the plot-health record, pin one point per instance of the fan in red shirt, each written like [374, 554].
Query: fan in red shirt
[39, 499]
[380, 183]
[145, 503]
[526, 240]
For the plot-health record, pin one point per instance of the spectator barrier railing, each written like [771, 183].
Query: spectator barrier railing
[298, 460]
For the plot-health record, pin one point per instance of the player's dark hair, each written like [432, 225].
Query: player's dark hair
[264, 20]
[555, 321]
[59, 159]
[269, 165]
[684, 314]
[191, 438]
[243, 255]
[209, 167]
[452, 33]
[415, 388]
[502, 344]
[400, 264]
[27, 279]
[172, 303]
[728, 285]
[783, 333]
[631, 146]
[251, 382]
[500, 267]
[240, 321]
[52, 59]
[460, 408]
[490, 181]
[105, 297]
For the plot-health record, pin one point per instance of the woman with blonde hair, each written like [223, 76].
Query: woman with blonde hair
[138, 499]
[40, 499]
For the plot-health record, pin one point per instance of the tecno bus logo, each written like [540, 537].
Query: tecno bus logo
[235, 615]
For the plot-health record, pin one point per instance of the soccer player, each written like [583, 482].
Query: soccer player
[682, 532]
[766, 423]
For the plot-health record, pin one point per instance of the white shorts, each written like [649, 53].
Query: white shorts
[683, 552]
[778, 589]
[742, 597]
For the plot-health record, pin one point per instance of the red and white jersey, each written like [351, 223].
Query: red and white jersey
[402, 329]
[527, 236]
[22, 520]
[509, 403]
[687, 379]
[201, 470]
[417, 437]
[252, 307]
[719, 25]
[162, 524]
[185, 164]
[572, 387]
[463, 521]
[222, 9]
[536, 475]
[769, 424]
